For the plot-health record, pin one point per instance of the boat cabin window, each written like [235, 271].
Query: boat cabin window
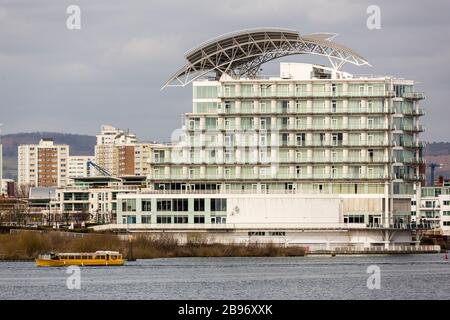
[78, 257]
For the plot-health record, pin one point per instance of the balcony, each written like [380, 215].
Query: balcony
[413, 95]
[304, 94]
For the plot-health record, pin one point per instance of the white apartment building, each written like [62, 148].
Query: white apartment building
[108, 138]
[93, 199]
[433, 208]
[78, 166]
[43, 165]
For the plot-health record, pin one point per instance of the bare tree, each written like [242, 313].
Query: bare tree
[23, 191]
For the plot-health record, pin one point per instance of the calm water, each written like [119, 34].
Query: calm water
[320, 277]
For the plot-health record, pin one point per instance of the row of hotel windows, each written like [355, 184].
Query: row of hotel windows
[208, 92]
[270, 233]
[287, 123]
[175, 205]
[176, 219]
[285, 106]
[298, 139]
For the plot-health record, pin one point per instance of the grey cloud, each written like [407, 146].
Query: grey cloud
[112, 70]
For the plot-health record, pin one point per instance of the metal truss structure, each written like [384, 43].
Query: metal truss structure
[242, 53]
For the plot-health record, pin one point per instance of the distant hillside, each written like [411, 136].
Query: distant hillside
[79, 145]
[437, 148]
[438, 152]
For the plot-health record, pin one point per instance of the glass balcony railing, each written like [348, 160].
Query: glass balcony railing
[277, 175]
[413, 95]
[305, 94]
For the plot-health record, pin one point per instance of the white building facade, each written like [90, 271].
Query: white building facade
[432, 208]
[43, 165]
[108, 138]
[314, 149]
[78, 166]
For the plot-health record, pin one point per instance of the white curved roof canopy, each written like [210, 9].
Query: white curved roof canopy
[243, 52]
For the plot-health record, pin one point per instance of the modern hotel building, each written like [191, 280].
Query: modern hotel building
[314, 148]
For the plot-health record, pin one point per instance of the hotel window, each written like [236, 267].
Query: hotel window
[163, 205]
[263, 107]
[298, 171]
[354, 219]
[180, 219]
[146, 205]
[333, 172]
[199, 219]
[218, 205]
[333, 106]
[361, 90]
[446, 203]
[158, 156]
[333, 89]
[300, 139]
[229, 138]
[256, 233]
[212, 155]
[284, 123]
[277, 233]
[299, 106]
[180, 205]
[284, 139]
[218, 220]
[284, 106]
[146, 219]
[199, 204]
[163, 219]
[129, 205]
[263, 139]
[265, 90]
[130, 219]
[337, 139]
[228, 156]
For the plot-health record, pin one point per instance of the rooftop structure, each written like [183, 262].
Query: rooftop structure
[242, 53]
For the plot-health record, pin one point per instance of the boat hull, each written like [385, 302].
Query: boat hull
[77, 262]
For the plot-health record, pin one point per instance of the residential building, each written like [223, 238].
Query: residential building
[43, 165]
[93, 199]
[78, 166]
[108, 138]
[433, 208]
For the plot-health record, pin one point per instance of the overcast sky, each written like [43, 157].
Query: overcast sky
[111, 71]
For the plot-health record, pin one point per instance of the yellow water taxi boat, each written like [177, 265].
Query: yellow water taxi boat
[99, 258]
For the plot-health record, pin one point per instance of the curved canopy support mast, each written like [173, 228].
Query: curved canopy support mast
[242, 53]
